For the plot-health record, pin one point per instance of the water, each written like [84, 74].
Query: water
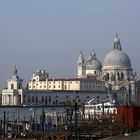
[26, 113]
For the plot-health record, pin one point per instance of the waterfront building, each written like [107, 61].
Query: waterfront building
[117, 73]
[13, 94]
[90, 68]
[53, 92]
[115, 80]
[77, 84]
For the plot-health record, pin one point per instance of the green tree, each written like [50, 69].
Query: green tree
[42, 120]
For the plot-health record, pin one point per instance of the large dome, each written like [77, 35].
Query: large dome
[117, 58]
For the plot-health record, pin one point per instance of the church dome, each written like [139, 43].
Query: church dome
[93, 63]
[117, 57]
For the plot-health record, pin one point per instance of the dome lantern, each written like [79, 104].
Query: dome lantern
[116, 43]
[94, 54]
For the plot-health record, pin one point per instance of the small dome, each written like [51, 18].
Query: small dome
[94, 65]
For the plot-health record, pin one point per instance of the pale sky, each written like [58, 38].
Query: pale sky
[49, 34]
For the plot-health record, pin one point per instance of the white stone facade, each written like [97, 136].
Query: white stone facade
[62, 98]
[116, 73]
[115, 79]
[82, 84]
[50, 92]
[13, 94]
[91, 67]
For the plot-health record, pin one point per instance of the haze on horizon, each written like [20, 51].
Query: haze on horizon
[49, 34]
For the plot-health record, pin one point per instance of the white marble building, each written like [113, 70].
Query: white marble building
[13, 94]
[82, 84]
[44, 91]
[115, 78]
[116, 73]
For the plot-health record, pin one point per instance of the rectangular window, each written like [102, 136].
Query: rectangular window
[42, 99]
[12, 86]
[56, 102]
[49, 98]
[32, 99]
[24, 97]
[29, 100]
[36, 99]
[46, 101]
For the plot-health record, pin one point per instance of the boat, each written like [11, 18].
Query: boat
[99, 109]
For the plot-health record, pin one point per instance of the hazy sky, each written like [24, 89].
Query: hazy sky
[49, 34]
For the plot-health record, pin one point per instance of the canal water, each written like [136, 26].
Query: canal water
[27, 113]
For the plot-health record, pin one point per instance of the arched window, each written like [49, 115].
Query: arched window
[12, 86]
[36, 99]
[29, 100]
[122, 76]
[107, 76]
[42, 99]
[19, 86]
[32, 99]
[56, 102]
[118, 76]
[49, 99]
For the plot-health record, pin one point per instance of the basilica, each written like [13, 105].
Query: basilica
[113, 81]
[116, 72]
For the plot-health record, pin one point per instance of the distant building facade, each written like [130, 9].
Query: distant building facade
[59, 92]
[117, 73]
[82, 84]
[13, 94]
[115, 79]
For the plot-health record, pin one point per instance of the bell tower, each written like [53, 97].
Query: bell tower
[81, 65]
[15, 83]
[13, 94]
